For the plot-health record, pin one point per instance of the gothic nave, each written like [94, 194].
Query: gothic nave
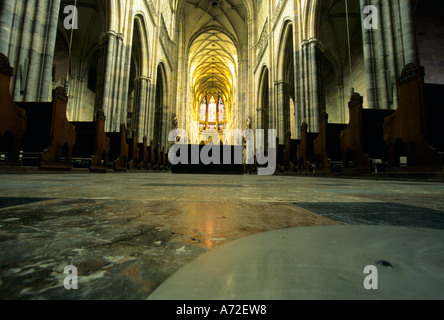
[94, 94]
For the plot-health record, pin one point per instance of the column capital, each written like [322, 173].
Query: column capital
[142, 78]
[313, 42]
[110, 35]
[280, 83]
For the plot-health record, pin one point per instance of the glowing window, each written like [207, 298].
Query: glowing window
[221, 110]
[203, 110]
[212, 110]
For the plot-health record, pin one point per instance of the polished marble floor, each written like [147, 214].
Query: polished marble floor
[127, 233]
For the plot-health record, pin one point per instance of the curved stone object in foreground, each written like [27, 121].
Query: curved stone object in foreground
[316, 263]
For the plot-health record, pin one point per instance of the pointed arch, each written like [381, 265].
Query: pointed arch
[263, 98]
[140, 26]
[161, 111]
[287, 112]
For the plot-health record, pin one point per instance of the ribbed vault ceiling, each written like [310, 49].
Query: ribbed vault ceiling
[214, 30]
[213, 59]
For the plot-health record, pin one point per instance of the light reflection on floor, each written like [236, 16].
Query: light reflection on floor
[129, 232]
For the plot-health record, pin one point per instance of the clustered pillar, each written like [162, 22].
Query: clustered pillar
[312, 84]
[27, 38]
[387, 49]
[141, 98]
[113, 79]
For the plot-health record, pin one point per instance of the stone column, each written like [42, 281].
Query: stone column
[244, 112]
[7, 15]
[76, 88]
[141, 106]
[259, 118]
[151, 112]
[380, 61]
[111, 80]
[283, 121]
[387, 50]
[27, 37]
[408, 32]
[369, 62]
[45, 87]
[122, 81]
[341, 95]
[393, 71]
[313, 55]
[304, 84]
[164, 126]
[105, 75]
[250, 101]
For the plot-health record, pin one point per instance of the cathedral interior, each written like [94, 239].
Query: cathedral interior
[342, 97]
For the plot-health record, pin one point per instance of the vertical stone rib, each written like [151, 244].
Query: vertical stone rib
[408, 32]
[20, 57]
[37, 34]
[388, 26]
[279, 89]
[124, 69]
[141, 99]
[381, 75]
[48, 57]
[314, 75]
[109, 44]
[305, 84]
[152, 112]
[116, 72]
[6, 20]
[369, 62]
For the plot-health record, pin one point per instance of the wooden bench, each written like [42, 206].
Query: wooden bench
[162, 159]
[434, 114]
[165, 159]
[92, 145]
[152, 157]
[288, 164]
[362, 141]
[155, 159]
[305, 149]
[327, 148]
[49, 138]
[118, 155]
[12, 119]
[144, 155]
[133, 152]
[405, 132]
[290, 152]
[158, 158]
[280, 156]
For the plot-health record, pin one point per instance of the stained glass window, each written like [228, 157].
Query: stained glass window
[221, 110]
[203, 110]
[212, 110]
